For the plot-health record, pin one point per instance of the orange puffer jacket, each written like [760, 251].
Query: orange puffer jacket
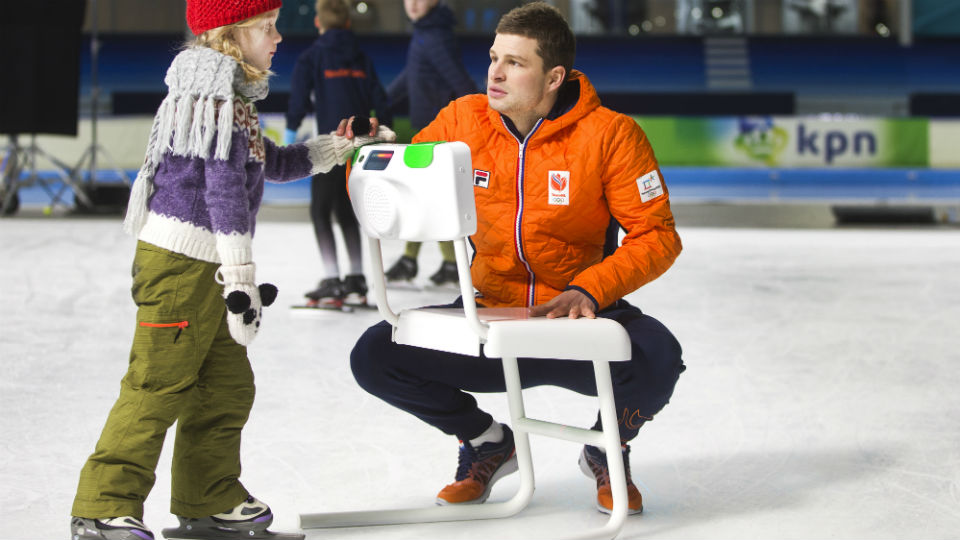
[544, 204]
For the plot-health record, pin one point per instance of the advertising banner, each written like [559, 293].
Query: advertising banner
[945, 144]
[789, 141]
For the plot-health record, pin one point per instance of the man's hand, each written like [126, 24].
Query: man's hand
[345, 128]
[572, 304]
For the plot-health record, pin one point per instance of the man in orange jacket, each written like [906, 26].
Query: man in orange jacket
[552, 168]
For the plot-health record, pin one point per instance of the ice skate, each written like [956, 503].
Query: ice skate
[329, 293]
[355, 290]
[118, 528]
[593, 463]
[248, 519]
[478, 469]
[405, 269]
[446, 276]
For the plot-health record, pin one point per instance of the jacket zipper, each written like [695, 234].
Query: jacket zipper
[518, 220]
[178, 325]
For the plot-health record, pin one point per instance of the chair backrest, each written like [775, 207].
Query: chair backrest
[418, 192]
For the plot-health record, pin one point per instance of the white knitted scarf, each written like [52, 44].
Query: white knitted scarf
[199, 104]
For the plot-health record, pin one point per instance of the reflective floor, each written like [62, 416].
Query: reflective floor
[820, 398]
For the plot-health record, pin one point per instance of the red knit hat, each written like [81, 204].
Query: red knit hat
[203, 15]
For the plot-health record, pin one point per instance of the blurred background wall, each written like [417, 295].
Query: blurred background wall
[633, 17]
[744, 100]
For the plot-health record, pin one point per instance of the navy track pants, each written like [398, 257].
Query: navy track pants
[434, 385]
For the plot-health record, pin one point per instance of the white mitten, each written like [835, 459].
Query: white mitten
[384, 134]
[245, 301]
[327, 151]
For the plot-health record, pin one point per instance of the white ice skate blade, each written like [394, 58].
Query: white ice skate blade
[266, 535]
[180, 533]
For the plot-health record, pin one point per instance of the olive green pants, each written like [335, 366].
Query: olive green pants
[184, 367]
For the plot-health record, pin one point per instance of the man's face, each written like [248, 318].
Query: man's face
[416, 9]
[516, 82]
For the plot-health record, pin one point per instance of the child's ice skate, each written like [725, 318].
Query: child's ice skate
[329, 293]
[355, 290]
[446, 276]
[118, 528]
[249, 519]
[405, 269]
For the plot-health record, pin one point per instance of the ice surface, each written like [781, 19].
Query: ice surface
[821, 397]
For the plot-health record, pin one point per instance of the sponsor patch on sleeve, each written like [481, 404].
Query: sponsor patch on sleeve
[650, 186]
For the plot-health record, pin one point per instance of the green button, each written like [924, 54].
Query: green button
[419, 156]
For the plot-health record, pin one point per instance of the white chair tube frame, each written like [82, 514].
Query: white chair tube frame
[379, 282]
[608, 439]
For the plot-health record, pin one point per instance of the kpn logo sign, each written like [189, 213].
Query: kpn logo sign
[811, 141]
[760, 139]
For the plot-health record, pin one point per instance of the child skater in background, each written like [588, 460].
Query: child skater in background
[433, 76]
[193, 209]
[342, 82]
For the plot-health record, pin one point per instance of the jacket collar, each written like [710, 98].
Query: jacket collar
[575, 99]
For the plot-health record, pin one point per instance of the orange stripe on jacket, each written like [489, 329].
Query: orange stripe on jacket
[341, 73]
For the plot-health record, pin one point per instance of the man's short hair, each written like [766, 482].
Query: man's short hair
[333, 13]
[544, 23]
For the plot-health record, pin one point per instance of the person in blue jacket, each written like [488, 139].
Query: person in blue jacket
[335, 79]
[433, 76]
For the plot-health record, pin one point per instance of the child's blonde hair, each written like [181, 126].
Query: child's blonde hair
[224, 39]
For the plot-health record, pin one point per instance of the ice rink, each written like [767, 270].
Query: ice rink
[821, 399]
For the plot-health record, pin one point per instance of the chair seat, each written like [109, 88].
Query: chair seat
[514, 333]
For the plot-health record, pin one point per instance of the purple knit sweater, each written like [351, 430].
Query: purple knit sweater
[201, 184]
[207, 208]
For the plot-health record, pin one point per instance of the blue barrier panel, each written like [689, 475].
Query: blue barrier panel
[827, 185]
[701, 184]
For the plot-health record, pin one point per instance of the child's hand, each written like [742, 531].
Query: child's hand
[343, 142]
[384, 134]
[348, 125]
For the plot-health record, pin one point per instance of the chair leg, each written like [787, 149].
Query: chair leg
[611, 438]
[515, 504]
[426, 514]
[611, 443]
[521, 436]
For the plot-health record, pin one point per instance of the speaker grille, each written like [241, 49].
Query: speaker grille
[380, 209]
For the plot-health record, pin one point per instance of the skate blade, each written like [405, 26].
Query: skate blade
[179, 533]
[355, 298]
[337, 305]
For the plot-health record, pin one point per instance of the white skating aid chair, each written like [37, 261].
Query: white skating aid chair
[424, 192]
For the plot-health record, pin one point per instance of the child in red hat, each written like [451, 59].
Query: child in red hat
[193, 210]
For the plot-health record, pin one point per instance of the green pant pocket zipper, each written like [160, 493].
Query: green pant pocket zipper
[178, 325]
